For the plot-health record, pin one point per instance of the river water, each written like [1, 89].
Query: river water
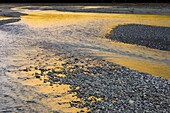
[83, 33]
[87, 34]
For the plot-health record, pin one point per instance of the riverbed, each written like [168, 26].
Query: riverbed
[50, 40]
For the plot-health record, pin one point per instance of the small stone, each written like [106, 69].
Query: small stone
[56, 112]
[37, 76]
[31, 101]
[45, 80]
[36, 68]
[56, 96]
[131, 101]
[81, 111]
[53, 71]
[51, 84]
[27, 69]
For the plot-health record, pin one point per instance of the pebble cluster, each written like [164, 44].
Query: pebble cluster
[145, 35]
[107, 87]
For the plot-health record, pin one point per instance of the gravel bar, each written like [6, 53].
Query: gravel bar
[3, 22]
[144, 35]
[107, 87]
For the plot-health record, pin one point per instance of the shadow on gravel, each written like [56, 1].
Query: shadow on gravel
[144, 35]
[2, 22]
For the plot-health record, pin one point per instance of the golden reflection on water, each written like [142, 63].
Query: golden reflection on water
[143, 62]
[53, 18]
[160, 66]
[58, 96]
[4, 18]
[46, 19]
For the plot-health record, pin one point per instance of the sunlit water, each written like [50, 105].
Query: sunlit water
[153, 61]
[85, 32]
[4, 17]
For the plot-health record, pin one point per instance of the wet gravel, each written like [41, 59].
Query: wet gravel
[145, 35]
[108, 87]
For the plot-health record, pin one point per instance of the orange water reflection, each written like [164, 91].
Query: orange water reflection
[156, 62]
[58, 98]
